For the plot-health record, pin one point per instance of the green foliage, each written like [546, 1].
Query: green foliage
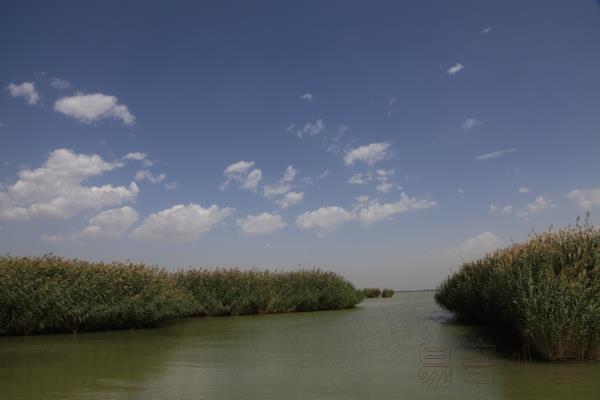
[371, 293]
[236, 292]
[50, 294]
[548, 289]
[387, 293]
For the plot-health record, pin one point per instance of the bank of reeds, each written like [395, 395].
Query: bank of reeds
[371, 293]
[50, 294]
[387, 293]
[547, 289]
[237, 292]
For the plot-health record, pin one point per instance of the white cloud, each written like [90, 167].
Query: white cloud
[283, 186]
[145, 174]
[481, 244]
[242, 173]
[324, 219]
[495, 154]
[323, 175]
[110, 224]
[55, 190]
[470, 123]
[171, 185]
[486, 30]
[369, 154]
[385, 187]
[585, 198]
[88, 108]
[501, 210]
[376, 212]
[362, 199]
[261, 224]
[290, 199]
[137, 156]
[360, 178]
[333, 144]
[311, 129]
[25, 90]
[60, 84]
[306, 96]
[456, 68]
[383, 176]
[524, 190]
[539, 204]
[181, 222]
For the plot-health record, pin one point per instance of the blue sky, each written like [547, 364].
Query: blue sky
[387, 141]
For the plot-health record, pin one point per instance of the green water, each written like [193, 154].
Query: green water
[372, 352]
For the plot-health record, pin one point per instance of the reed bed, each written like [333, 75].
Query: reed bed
[547, 289]
[371, 293]
[50, 294]
[237, 292]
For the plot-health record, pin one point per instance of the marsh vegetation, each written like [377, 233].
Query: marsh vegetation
[50, 294]
[546, 289]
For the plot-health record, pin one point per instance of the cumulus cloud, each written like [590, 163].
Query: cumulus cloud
[181, 222]
[375, 212]
[470, 123]
[495, 154]
[369, 154]
[290, 199]
[456, 68]
[149, 176]
[306, 97]
[261, 224]
[585, 198]
[539, 204]
[88, 108]
[171, 185]
[383, 176]
[324, 219]
[283, 186]
[494, 209]
[385, 187]
[25, 90]
[311, 129]
[242, 173]
[360, 178]
[480, 244]
[137, 156]
[56, 190]
[60, 84]
[110, 224]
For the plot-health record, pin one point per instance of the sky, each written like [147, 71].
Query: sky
[387, 141]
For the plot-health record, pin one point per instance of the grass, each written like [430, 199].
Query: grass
[50, 294]
[547, 289]
[387, 293]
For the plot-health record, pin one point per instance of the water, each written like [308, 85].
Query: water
[372, 352]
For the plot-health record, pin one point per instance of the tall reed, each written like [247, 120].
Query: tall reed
[51, 294]
[547, 289]
[371, 293]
